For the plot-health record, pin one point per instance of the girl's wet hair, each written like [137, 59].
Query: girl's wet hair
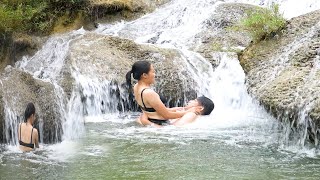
[138, 68]
[207, 105]
[29, 111]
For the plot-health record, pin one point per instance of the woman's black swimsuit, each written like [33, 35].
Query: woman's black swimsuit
[30, 145]
[159, 121]
[155, 121]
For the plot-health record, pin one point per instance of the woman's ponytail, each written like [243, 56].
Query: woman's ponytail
[137, 69]
[128, 79]
[29, 111]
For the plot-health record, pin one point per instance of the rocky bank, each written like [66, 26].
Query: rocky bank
[283, 73]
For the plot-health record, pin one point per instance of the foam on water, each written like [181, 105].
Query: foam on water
[62, 152]
[95, 151]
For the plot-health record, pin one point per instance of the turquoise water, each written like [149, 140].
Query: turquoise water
[119, 149]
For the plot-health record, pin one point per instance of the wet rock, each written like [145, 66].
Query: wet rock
[121, 9]
[218, 35]
[284, 73]
[110, 58]
[17, 89]
[17, 46]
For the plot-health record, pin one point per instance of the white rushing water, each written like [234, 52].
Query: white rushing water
[289, 8]
[174, 25]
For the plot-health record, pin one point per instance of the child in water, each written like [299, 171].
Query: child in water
[205, 104]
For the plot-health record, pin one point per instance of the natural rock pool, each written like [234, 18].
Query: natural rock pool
[115, 148]
[91, 134]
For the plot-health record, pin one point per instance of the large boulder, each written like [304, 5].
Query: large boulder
[17, 89]
[283, 73]
[109, 58]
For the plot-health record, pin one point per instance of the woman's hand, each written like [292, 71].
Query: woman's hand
[197, 109]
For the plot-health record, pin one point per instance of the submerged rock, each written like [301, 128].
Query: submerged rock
[283, 73]
[17, 89]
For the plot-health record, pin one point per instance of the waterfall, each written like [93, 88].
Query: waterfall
[289, 8]
[174, 25]
[11, 126]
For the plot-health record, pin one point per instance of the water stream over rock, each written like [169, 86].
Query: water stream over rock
[85, 70]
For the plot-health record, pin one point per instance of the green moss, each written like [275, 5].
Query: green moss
[217, 47]
[262, 23]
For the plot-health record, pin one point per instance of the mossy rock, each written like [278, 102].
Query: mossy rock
[218, 34]
[283, 73]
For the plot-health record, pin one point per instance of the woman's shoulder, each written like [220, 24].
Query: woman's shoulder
[143, 89]
[149, 91]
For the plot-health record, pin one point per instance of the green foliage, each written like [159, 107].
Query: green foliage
[263, 22]
[15, 18]
[61, 6]
[34, 15]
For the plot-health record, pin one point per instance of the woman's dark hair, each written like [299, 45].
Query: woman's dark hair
[138, 68]
[29, 111]
[207, 105]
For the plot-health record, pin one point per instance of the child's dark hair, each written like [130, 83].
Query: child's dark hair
[207, 104]
[138, 68]
[29, 111]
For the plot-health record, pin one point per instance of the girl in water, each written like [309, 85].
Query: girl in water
[148, 100]
[28, 136]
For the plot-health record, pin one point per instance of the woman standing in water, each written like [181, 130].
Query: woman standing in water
[28, 136]
[148, 100]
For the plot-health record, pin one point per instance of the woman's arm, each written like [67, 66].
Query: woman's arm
[144, 120]
[19, 131]
[153, 99]
[36, 138]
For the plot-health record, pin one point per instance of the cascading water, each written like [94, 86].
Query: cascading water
[173, 26]
[11, 126]
[288, 7]
[238, 140]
